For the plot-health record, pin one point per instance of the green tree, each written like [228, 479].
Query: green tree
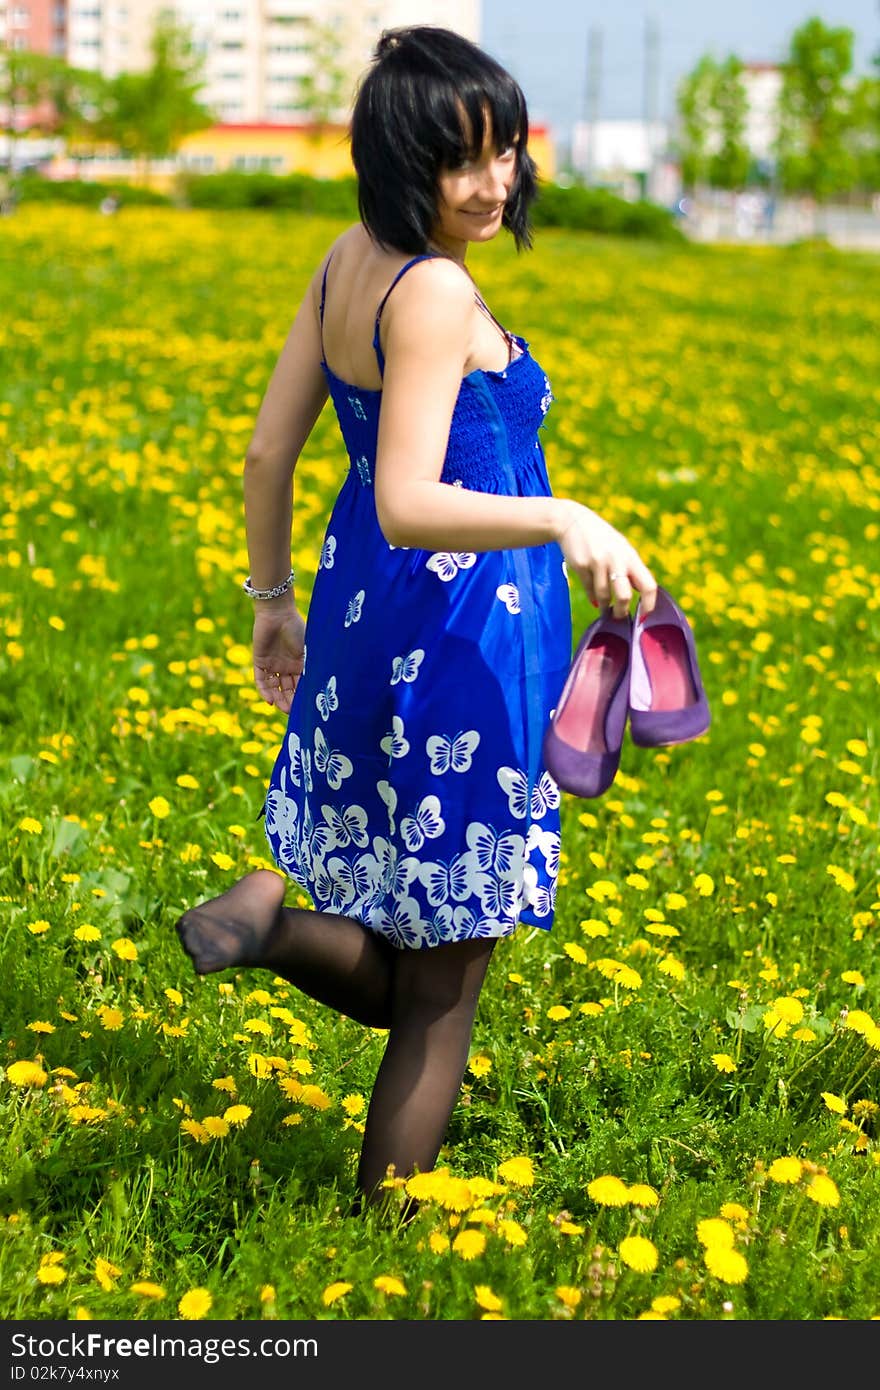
[694, 99]
[323, 89]
[149, 113]
[814, 142]
[729, 164]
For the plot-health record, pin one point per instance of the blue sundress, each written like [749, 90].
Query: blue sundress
[409, 791]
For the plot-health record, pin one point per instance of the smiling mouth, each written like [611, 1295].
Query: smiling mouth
[492, 212]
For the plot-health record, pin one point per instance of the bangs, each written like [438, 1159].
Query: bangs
[466, 114]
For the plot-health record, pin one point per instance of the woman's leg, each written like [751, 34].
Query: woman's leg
[433, 1002]
[333, 959]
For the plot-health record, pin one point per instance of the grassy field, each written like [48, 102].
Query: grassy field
[672, 1107]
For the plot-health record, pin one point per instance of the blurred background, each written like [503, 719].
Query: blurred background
[756, 122]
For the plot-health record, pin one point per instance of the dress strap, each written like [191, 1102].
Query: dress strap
[426, 256]
[323, 299]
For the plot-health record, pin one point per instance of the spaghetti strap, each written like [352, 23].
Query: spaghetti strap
[380, 357]
[323, 299]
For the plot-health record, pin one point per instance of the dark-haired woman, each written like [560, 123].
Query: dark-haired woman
[408, 797]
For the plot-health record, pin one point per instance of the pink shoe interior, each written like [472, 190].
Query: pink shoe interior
[668, 666]
[584, 703]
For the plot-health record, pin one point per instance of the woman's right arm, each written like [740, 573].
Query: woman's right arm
[428, 323]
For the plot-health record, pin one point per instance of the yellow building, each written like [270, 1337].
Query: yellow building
[302, 149]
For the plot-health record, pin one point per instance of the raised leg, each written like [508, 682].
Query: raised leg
[433, 1004]
[331, 958]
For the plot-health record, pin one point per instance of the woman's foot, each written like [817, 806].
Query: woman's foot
[233, 929]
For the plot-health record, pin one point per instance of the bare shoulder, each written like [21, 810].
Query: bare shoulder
[434, 293]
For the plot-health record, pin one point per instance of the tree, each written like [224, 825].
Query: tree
[323, 90]
[694, 99]
[149, 113]
[813, 146]
[729, 164]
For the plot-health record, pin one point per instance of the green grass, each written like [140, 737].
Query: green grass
[721, 901]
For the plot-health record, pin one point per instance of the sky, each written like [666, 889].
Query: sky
[545, 44]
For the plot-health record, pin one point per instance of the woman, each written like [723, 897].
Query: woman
[408, 796]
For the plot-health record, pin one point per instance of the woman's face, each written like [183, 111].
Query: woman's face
[471, 198]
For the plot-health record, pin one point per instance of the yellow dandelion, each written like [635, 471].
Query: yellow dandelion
[469, 1244]
[30, 825]
[672, 967]
[111, 1019]
[727, 1265]
[512, 1231]
[334, 1292]
[859, 1022]
[187, 781]
[785, 1170]
[225, 1083]
[558, 1012]
[124, 948]
[438, 1242]
[316, 1098]
[836, 1104]
[353, 1105]
[267, 1293]
[520, 1172]
[424, 1187]
[487, 1299]
[159, 807]
[713, 1232]
[174, 995]
[38, 928]
[106, 1274]
[144, 1289]
[608, 1191]
[704, 885]
[39, 1025]
[641, 1195]
[387, 1283]
[675, 902]
[570, 1228]
[733, 1211]
[723, 1061]
[51, 1274]
[666, 1303]
[257, 1025]
[639, 1254]
[223, 861]
[823, 1190]
[480, 1065]
[567, 1295]
[575, 953]
[217, 1127]
[26, 1074]
[195, 1303]
[454, 1194]
[591, 1010]
[87, 933]
[853, 977]
[237, 1114]
[195, 1131]
[592, 927]
[788, 1008]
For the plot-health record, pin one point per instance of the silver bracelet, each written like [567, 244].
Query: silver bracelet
[268, 593]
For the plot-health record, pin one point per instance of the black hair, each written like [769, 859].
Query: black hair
[423, 107]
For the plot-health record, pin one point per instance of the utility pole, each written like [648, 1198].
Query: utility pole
[650, 99]
[591, 100]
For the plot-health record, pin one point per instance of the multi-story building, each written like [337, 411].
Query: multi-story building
[37, 25]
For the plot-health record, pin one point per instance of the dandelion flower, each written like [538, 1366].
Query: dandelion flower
[26, 1074]
[641, 1195]
[732, 1211]
[836, 1104]
[558, 1012]
[511, 1231]
[51, 1274]
[334, 1292]
[38, 928]
[159, 807]
[723, 1061]
[715, 1233]
[111, 1019]
[704, 885]
[853, 977]
[237, 1114]
[575, 952]
[639, 1254]
[666, 1303]
[106, 1273]
[469, 1244]
[30, 825]
[223, 861]
[144, 1289]
[785, 1170]
[39, 1025]
[216, 1126]
[195, 1304]
[788, 1008]
[608, 1191]
[125, 949]
[823, 1190]
[480, 1065]
[568, 1295]
[727, 1265]
[520, 1172]
[487, 1299]
[87, 933]
[386, 1283]
[353, 1105]
[438, 1242]
[195, 1131]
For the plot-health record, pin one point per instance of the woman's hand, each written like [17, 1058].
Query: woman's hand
[606, 564]
[279, 650]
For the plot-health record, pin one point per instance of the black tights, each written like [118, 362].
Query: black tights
[427, 999]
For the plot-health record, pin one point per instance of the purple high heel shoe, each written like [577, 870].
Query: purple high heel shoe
[667, 701]
[582, 742]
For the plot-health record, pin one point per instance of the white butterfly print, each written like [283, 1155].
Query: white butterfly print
[445, 881]
[446, 564]
[425, 824]
[499, 897]
[349, 825]
[342, 890]
[327, 700]
[394, 873]
[509, 596]
[307, 769]
[394, 744]
[456, 753]
[441, 927]
[495, 854]
[355, 608]
[403, 925]
[328, 553]
[545, 793]
[406, 668]
[548, 842]
[294, 757]
[389, 796]
[335, 765]
[316, 841]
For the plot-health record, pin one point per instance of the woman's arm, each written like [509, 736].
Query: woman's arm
[293, 401]
[428, 334]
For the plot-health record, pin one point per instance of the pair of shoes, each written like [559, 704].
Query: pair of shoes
[644, 671]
